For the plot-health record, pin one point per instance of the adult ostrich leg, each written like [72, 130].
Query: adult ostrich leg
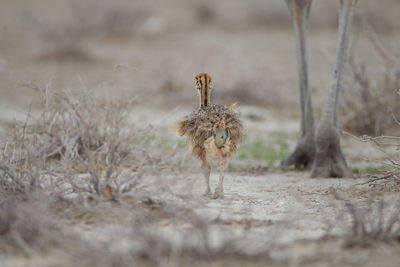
[329, 160]
[303, 154]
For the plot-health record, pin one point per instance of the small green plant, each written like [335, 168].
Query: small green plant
[272, 149]
[371, 170]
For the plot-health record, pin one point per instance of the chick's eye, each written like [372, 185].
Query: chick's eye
[197, 87]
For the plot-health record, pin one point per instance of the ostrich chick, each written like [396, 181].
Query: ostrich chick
[214, 131]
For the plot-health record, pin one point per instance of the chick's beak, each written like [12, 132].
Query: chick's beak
[220, 138]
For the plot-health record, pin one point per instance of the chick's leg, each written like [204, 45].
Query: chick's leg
[219, 190]
[206, 170]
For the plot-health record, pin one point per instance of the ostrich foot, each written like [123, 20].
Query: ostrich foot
[329, 160]
[331, 164]
[207, 193]
[219, 193]
[303, 154]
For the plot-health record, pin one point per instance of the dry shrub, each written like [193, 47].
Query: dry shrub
[376, 220]
[389, 177]
[21, 161]
[81, 144]
[369, 110]
[369, 107]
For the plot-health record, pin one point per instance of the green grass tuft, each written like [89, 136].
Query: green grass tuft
[272, 148]
[372, 170]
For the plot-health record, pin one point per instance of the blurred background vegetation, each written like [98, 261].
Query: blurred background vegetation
[247, 46]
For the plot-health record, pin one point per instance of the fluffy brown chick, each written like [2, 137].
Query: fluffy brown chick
[214, 132]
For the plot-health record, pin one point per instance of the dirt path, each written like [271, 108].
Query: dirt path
[286, 213]
[304, 206]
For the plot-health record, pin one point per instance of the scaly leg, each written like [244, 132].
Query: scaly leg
[303, 154]
[329, 160]
[206, 170]
[219, 190]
